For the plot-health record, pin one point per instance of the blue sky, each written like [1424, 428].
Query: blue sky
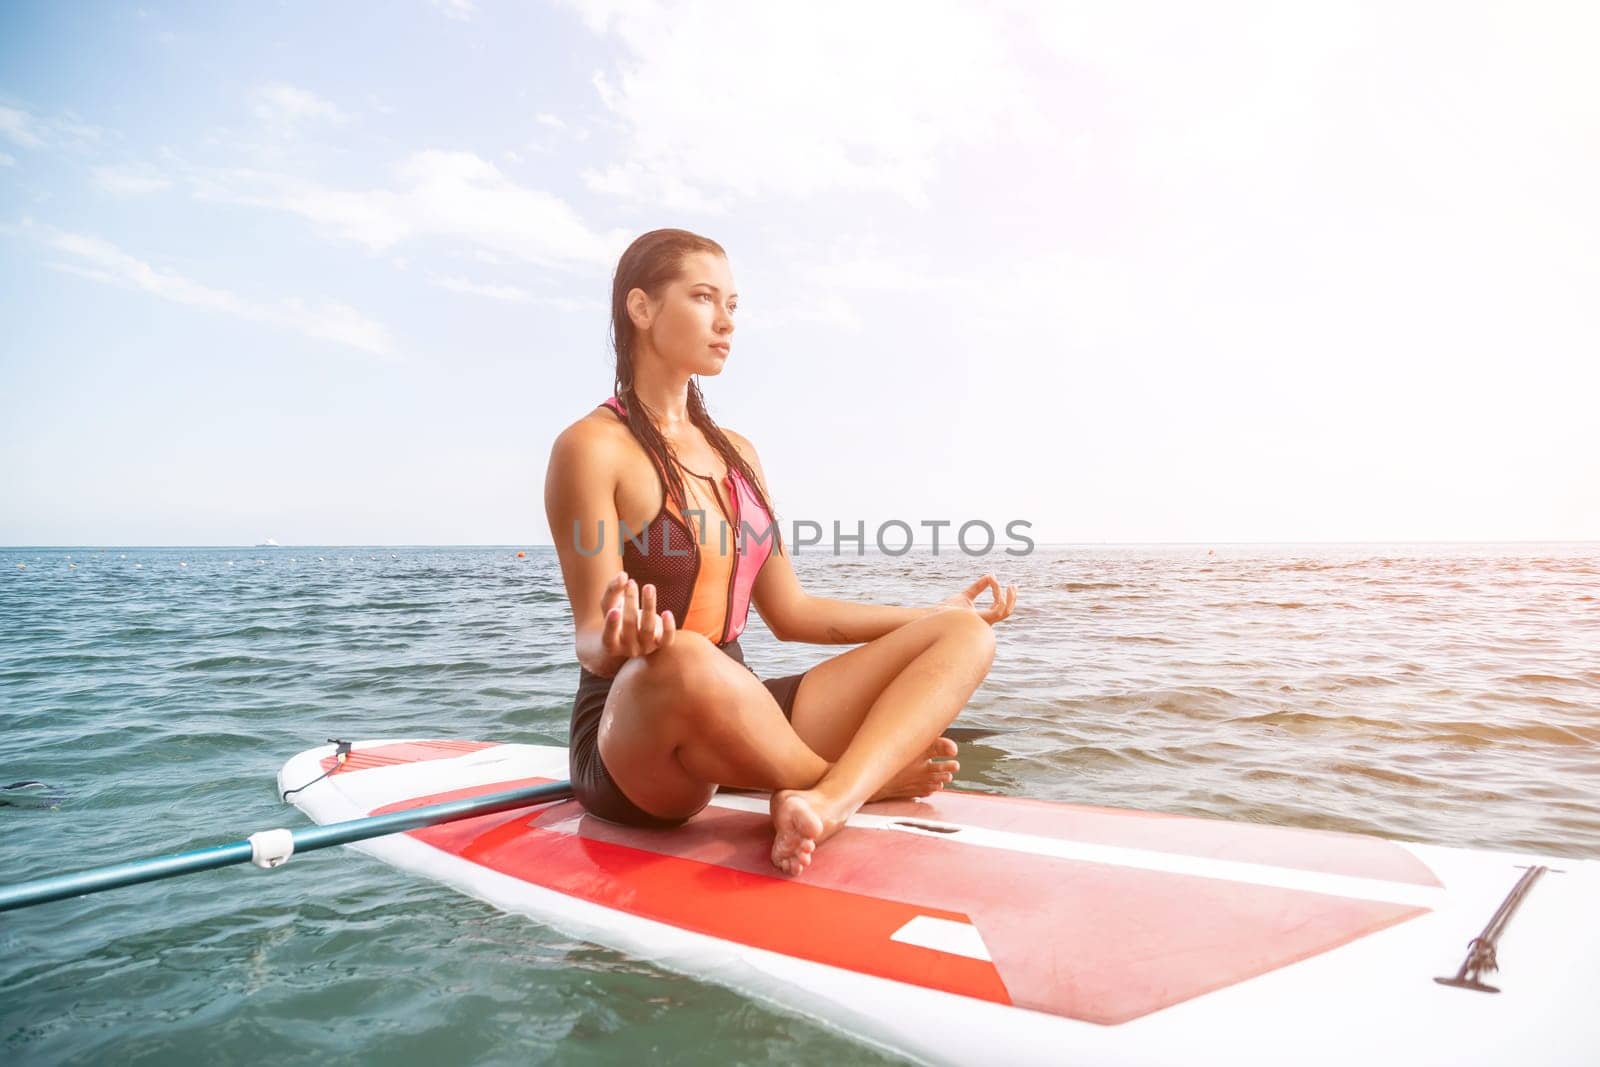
[1143, 272]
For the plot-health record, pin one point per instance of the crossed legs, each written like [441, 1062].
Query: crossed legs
[687, 718]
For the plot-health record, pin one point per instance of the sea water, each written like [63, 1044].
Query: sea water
[1439, 693]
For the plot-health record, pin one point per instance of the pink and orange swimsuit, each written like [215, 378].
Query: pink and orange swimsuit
[703, 562]
[703, 570]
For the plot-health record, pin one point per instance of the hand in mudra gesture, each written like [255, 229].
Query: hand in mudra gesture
[633, 627]
[1004, 599]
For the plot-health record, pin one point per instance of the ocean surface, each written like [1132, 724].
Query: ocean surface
[1441, 693]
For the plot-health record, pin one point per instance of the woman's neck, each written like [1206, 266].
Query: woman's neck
[667, 399]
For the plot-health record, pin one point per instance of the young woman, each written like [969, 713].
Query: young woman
[665, 533]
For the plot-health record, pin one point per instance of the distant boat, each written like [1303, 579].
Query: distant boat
[269, 543]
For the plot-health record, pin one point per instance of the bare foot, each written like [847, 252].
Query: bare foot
[799, 826]
[923, 776]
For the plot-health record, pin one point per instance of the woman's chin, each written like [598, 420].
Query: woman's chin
[708, 368]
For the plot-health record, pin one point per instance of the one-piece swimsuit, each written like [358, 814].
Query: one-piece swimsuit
[703, 573]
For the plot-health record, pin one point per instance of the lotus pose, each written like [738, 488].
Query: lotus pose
[666, 536]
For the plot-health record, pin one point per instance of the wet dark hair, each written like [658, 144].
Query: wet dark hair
[652, 261]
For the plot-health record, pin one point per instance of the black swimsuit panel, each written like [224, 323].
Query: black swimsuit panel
[592, 783]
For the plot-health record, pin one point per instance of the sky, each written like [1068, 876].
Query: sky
[1138, 272]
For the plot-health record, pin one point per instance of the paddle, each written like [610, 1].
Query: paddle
[270, 848]
[964, 734]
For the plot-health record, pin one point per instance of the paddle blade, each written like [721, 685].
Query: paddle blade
[964, 734]
[31, 794]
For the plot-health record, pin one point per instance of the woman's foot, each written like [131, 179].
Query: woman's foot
[802, 819]
[923, 776]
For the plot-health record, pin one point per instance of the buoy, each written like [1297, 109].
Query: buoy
[22, 566]
[522, 555]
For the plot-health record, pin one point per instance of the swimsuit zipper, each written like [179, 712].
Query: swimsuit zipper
[733, 575]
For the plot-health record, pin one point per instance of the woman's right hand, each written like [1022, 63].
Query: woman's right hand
[632, 626]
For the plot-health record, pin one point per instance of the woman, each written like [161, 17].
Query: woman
[665, 533]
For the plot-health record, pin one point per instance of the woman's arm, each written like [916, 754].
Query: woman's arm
[793, 615]
[613, 620]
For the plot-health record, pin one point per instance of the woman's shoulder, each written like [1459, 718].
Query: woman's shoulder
[596, 432]
[746, 449]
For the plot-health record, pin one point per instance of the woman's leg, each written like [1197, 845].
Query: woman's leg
[835, 696]
[875, 709]
[688, 718]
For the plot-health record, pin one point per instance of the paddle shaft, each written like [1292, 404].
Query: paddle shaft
[306, 839]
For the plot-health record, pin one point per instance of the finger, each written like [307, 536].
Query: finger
[996, 594]
[649, 633]
[630, 618]
[611, 635]
[649, 621]
[669, 629]
[1011, 599]
[611, 596]
[1002, 602]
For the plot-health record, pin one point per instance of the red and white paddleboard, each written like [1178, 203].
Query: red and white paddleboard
[977, 929]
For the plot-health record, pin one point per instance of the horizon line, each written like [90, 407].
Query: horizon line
[524, 546]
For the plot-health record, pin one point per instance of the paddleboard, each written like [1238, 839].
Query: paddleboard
[968, 928]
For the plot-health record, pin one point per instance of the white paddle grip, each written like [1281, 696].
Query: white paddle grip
[271, 848]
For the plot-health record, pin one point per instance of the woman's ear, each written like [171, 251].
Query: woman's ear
[639, 309]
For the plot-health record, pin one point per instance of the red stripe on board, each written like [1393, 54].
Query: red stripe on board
[758, 908]
[364, 759]
[1087, 941]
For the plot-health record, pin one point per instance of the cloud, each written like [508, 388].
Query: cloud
[101, 261]
[456, 196]
[460, 10]
[7, 161]
[129, 180]
[748, 101]
[287, 108]
[862, 264]
[27, 130]
[553, 121]
[19, 127]
[514, 295]
[508, 293]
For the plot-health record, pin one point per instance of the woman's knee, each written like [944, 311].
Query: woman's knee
[965, 625]
[973, 633]
[681, 675]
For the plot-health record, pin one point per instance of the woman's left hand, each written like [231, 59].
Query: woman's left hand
[1004, 599]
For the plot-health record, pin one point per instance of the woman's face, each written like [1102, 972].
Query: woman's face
[691, 324]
